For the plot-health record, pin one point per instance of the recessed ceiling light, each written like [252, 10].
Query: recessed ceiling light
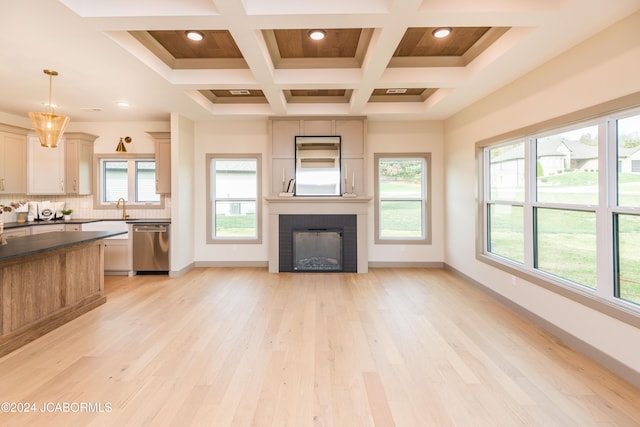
[317, 34]
[196, 36]
[442, 32]
[123, 104]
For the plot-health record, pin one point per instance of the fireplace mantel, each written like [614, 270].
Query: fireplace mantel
[358, 206]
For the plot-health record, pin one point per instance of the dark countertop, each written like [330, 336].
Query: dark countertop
[10, 225]
[38, 243]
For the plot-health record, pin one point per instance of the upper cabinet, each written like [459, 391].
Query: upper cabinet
[66, 169]
[351, 130]
[45, 167]
[13, 160]
[163, 161]
[79, 162]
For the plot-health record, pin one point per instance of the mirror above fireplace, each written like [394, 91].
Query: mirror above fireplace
[317, 166]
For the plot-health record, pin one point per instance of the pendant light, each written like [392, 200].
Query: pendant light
[49, 126]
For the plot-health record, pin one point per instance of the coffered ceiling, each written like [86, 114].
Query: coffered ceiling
[378, 58]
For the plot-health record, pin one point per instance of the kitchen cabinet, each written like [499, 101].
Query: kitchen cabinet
[73, 227]
[163, 161]
[79, 162]
[45, 168]
[117, 249]
[16, 232]
[13, 160]
[40, 229]
[117, 257]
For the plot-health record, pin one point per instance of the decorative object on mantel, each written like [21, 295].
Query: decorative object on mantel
[48, 125]
[352, 191]
[121, 148]
[287, 192]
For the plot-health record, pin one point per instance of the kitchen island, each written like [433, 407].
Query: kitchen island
[46, 280]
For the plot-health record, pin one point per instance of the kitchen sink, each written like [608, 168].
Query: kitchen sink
[108, 225]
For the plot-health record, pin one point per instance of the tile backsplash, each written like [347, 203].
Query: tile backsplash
[83, 207]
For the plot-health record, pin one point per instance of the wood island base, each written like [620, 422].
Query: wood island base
[43, 291]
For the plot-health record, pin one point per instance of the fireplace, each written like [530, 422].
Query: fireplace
[347, 213]
[321, 243]
[317, 249]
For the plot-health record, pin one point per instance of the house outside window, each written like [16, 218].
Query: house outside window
[402, 213]
[233, 208]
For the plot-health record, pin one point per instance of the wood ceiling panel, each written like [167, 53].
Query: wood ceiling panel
[216, 44]
[222, 93]
[338, 43]
[420, 42]
[414, 91]
[318, 92]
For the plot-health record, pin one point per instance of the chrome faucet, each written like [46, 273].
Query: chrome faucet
[125, 215]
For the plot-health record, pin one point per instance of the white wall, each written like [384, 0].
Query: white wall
[409, 137]
[182, 193]
[603, 68]
[251, 136]
[228, 136]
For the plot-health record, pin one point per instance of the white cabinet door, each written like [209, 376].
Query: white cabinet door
[45, 168]
[13, 163]
[116, 255]
[79, 163]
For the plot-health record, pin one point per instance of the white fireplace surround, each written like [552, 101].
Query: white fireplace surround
[358, 206]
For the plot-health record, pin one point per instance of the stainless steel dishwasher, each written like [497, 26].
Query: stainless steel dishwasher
[150, 247]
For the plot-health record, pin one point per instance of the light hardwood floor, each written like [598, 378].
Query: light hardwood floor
[237, 347]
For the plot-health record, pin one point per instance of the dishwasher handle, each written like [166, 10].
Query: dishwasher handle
[150, 229]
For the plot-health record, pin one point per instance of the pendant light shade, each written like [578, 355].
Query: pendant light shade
[49, 126]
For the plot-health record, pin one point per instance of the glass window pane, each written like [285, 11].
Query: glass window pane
[235, 179]
[146, 182]
[507, 172]
[506, 231]
[629, 161]
[567, 167]
[115, 181]
[401, 219]
[235, 219]
[628, 257]
[400, 178]
[566, 244]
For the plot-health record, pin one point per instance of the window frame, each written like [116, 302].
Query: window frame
[210, 199]
[603, 298]
[425, 200]
[98, 200]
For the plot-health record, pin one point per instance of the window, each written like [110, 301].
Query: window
[627, 213]
[132, 178]
[402, 196]
[566, 196]
[505, 220]
[233, 214]
[562, 208]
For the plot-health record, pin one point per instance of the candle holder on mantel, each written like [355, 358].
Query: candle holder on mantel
[351, 193]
